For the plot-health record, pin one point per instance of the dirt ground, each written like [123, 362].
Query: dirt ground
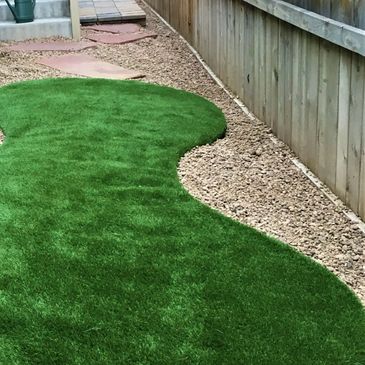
[249, 175]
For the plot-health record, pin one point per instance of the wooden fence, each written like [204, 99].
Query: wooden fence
[351, 12]
[301, 73]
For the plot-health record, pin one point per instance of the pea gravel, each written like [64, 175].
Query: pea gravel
[248, 175]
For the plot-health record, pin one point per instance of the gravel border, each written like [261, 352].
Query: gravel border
[249, 175]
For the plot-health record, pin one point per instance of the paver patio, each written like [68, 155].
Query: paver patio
[99, 11]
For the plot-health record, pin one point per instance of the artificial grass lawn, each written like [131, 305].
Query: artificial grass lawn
[106, 259]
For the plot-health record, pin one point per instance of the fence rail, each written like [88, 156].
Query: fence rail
[309, 89]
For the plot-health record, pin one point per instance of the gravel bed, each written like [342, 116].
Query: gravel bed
[248, 175]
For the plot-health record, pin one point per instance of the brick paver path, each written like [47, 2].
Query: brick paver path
[99, 11]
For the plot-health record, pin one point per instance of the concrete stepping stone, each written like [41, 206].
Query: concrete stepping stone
[84, 65]
[116, 28]
[120, 38]
[51, 46]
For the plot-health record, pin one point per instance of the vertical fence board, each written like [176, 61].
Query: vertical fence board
[355, 131]
[288, 88]
[268, 64]
[256, 64]
[328, 113]
[236, 46]
[343, 123]
[212, 35]
[249, 56]
[281, 82]
[214, 11]
[195, 21]
[220, 40]
[331, 130]
[241, 53]
[361, 19]
[204, 35]
[261, 107]
[303, 128]
[297, 91]
[322, 110]
[362, 167]
[274, 28]
[312, 99]
[229, 44]
[198, 25]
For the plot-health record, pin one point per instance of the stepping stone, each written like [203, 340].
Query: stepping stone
[51, 46]
[116, 28]
[120, 38]
[84, 65]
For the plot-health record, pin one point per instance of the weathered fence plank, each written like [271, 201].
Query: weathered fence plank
[313, 62]
[274, 30]
[241, 52]
[328, 113]
[361, 209]
[249, 56]
[304, 127]
[355, 130]
[297, 90]
[230, 50]
[343, 123]
[288, 83]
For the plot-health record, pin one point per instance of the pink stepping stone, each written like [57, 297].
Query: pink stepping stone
[120, 38]
[51, 46]
[116, 28]
[88, 66]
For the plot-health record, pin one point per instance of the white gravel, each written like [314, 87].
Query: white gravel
[248, 175]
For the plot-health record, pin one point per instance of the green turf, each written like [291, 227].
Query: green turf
[106, 259]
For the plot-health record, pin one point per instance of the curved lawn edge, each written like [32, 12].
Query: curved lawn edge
[216, 280]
